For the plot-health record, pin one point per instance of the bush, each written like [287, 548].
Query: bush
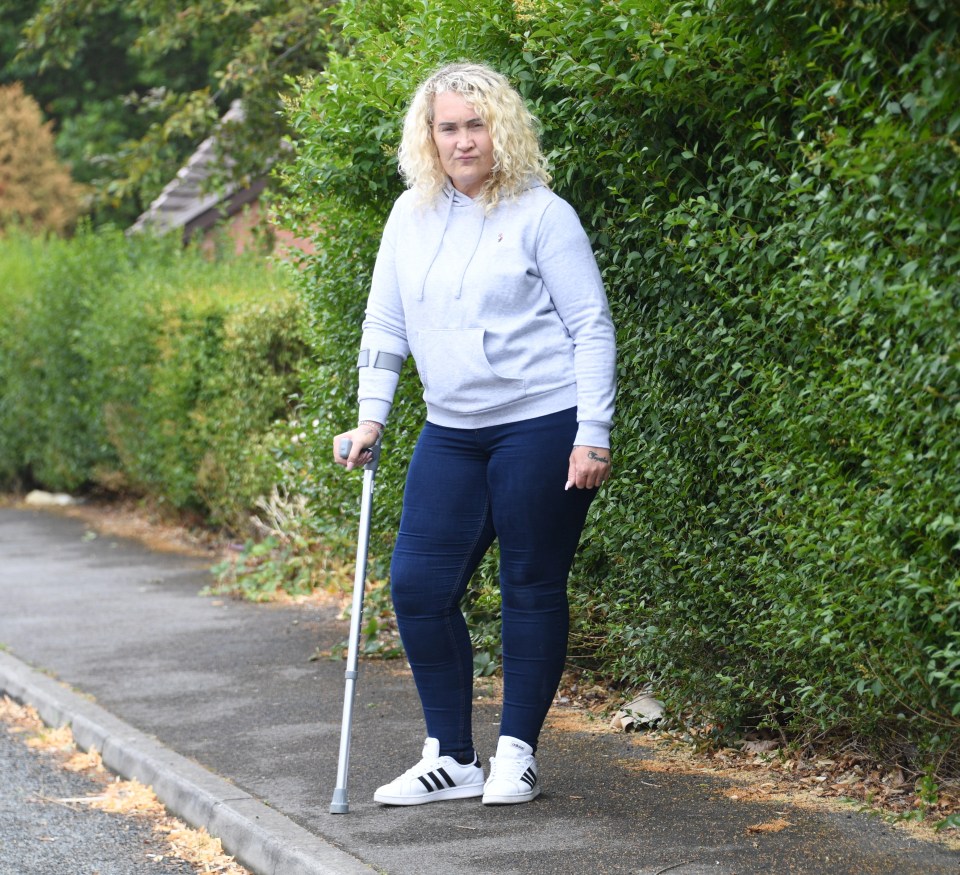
[771, 190]
[783, 258]
[133, 365]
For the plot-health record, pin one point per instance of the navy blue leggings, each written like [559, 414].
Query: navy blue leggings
[465, 488]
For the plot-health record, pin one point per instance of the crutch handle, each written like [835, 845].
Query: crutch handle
[345, 446]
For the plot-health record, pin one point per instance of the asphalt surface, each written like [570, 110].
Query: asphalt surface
[41, 835]
[217, 705]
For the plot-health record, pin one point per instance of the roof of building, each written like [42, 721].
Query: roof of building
[187, 198]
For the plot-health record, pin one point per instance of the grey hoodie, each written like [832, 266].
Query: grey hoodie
[504, 313]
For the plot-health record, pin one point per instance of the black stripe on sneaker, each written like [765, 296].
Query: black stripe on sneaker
[529, 777]
[446, 777]
[432, 781]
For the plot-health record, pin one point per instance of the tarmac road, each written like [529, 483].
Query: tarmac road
[218, 702]
[40, 835]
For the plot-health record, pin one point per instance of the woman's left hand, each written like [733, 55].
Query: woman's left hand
[589, 467]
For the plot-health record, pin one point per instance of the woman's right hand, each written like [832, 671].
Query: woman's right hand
[361, 439]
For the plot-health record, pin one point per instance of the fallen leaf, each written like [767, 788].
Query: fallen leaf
[52, 739]
[85, 762]
[777, 825]
[199, 847]
[19, 716]
[129, 797]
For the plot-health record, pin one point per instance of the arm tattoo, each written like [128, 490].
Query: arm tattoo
[597, 458]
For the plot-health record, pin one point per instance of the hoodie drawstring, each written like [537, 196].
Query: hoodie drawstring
[462, 200]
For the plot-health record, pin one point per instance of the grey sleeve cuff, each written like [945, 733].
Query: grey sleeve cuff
[593, 434]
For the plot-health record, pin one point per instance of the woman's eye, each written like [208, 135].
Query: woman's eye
[472, 126]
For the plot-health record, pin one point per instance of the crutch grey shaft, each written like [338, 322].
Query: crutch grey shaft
[340, 805]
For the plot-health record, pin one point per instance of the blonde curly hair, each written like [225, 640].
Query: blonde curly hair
[517, 159]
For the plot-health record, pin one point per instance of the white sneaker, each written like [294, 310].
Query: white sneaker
[513, 774]
[432, 779]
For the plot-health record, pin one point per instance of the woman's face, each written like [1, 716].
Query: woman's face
[463, 143]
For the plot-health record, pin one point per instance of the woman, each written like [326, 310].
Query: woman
[487, 278]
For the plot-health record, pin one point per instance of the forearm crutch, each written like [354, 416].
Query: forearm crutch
[339, 805]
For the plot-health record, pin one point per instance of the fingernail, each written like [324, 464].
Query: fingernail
[569, 484]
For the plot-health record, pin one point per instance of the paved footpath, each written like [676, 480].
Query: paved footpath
[216, 704]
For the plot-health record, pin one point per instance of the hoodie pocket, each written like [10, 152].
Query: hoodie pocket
[457, 376]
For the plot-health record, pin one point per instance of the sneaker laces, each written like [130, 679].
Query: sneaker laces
[427, 764]
[511, 768]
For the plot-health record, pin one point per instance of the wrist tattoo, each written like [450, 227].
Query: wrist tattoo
[598, 458]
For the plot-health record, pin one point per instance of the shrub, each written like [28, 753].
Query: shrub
[771, 190]
[132, 364]
[777, 227]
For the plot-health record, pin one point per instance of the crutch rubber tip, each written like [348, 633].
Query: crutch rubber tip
[339, 804]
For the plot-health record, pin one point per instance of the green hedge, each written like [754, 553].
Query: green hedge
[133, 365]
[771, 188]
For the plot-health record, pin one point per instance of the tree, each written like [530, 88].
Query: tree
[172, 70]
[36, 190]
[87, 93]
